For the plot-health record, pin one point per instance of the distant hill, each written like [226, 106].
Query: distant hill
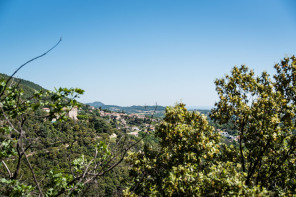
[146, 110]
[96, 104]
[199, 107]
[138, 109]
[28, 86]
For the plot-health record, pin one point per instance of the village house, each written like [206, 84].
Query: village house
[71, 114]
[140, 116]
[151, 129]
[115, 115]
[134, 128]
[135, 133]
[46, 109]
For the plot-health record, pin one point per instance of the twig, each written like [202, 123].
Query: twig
[3, 113]
[10, 175]
[121, 158]
[84, 173]
[33, 173]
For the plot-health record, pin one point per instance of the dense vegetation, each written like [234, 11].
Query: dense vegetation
[28, 87]
[192, 162]
[47, 153]
[44, 153]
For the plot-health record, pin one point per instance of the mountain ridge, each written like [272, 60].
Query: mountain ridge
[147, 110]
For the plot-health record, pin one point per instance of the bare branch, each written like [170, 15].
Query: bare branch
[34, 176]
[31, 60]
[121, 157]
[10, 175]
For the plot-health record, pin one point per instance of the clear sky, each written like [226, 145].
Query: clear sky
[137, 52]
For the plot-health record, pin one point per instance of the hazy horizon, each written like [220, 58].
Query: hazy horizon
[187, 106]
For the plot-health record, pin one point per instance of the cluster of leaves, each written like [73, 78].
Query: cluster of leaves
[14, 188]
[28, 87]
[263, 111]
[16, 141]
[191, 162]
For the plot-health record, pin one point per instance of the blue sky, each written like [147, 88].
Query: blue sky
[137, 52]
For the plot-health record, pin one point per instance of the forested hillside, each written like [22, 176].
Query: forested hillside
[28, 86]
[48, 151]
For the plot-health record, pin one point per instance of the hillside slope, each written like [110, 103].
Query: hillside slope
[28, 86]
